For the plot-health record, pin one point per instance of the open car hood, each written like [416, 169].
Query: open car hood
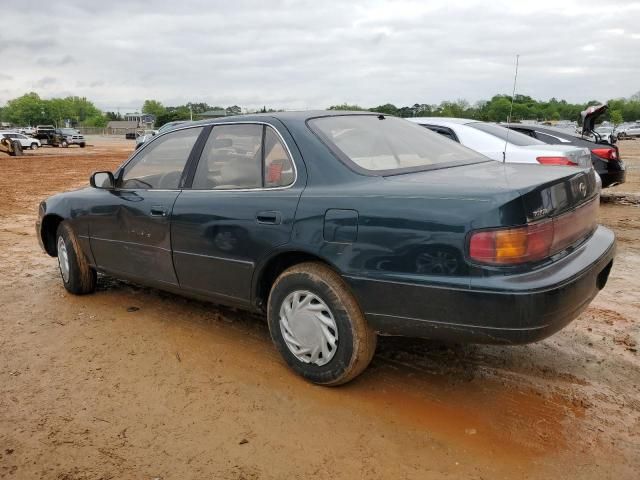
[590, 115]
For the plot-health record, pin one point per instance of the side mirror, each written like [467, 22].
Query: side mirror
[102, 180]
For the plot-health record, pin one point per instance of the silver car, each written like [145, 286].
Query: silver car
[500, 143]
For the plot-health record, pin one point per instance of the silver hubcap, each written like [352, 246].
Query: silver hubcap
[308, 328]
[63, 259]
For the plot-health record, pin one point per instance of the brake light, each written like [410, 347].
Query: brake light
[556, 161]
[605, 153]
[534, 241]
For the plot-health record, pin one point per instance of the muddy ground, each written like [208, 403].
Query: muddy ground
[135, 383]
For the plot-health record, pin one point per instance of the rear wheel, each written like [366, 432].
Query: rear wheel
[317, 325]
[77, 275]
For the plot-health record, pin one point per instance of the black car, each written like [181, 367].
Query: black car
[605, 155]
[339, 227]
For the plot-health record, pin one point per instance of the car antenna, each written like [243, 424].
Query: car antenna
[513, 97]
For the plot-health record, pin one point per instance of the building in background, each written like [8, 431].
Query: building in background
[143, 120]
[122, 127]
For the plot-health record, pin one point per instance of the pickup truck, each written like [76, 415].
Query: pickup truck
[59, 137]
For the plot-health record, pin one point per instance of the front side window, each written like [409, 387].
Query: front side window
[382, 144]
[243, 156]
[160, 164]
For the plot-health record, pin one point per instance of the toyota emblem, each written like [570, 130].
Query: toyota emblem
[583, 188]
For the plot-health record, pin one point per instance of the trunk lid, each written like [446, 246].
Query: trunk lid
[545, 191]
[589, 117]
[579, 156]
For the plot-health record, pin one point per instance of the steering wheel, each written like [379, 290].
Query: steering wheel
[169, 180]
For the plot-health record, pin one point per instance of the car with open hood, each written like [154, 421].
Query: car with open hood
[605, 154]
[338, 227]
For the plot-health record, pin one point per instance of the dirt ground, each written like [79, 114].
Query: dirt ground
[135, 383]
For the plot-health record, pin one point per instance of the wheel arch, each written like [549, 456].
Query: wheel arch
[48, 230]
[269, 270]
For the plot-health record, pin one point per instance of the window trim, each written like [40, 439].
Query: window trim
[265, 125]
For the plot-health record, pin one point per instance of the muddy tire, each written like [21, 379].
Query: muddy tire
[82, 145]
[64, 144]
[77, 275]
[34, 146]
[317, 325]
[16, 149]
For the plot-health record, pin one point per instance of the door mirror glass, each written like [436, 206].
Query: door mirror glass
[102, 180]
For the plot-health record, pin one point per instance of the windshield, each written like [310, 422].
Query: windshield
[390, 145]
[69, 131]
[515, 138]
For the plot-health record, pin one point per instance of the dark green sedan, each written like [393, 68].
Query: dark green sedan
[340, 227]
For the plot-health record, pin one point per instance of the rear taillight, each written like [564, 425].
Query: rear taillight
[556, 161]
[605, 153]
[535, 241]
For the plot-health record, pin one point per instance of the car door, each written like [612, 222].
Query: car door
[241, 206]
[129, 226]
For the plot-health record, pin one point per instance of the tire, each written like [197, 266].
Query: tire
[34, 146]
[77, 275]
[82, 145]
[355, 341]
[16, 149]
[64, 144]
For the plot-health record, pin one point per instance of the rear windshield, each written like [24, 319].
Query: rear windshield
[388, 145]
[515, 138]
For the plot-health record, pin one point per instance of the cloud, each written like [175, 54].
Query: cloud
[45, 82]
[310, 54]
[55, 60]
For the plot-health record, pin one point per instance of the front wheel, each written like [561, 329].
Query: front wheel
[64, 144]
[77, 275]
[82, 145]
[317, 325]
[34, 146]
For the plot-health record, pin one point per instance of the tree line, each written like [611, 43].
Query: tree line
[30, 109]
[497, 109]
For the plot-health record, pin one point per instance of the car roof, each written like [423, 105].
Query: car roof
[442, 120]
[295, 116]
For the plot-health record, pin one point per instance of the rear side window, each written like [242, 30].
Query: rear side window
[445, 132]
[503, 133]
[243, 156]
[278, 168]
[388, 145]
[160, 164]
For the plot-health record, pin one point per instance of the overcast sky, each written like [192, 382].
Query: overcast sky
[312, 54]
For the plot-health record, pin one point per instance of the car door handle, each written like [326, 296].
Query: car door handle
[158, 211]
[269, 218]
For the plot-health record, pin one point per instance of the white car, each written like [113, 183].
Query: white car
[26, 142]
[28, 131]
[629, 132]
[502, 144]
[144, 136]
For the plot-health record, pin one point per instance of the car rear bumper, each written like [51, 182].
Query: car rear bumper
[513, 309]
[613, 177]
